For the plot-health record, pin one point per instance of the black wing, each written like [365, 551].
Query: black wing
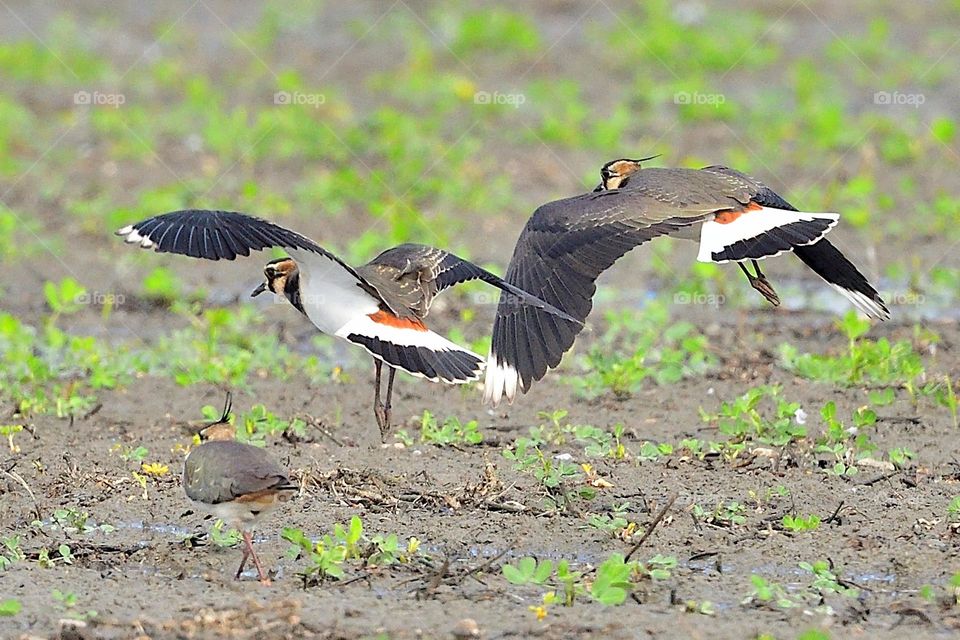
[454, 270]
[822, 257]
[562, 250]
[435, 270]
[215, 235]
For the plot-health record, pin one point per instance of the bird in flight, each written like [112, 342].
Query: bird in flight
[568, 243]
[380, 306]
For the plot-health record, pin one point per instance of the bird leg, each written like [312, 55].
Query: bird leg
[248, 552]
[381, 410]
[388, 406]
[378, 409]
[760, 283]
[243, 562]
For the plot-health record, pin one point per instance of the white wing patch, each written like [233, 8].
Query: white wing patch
[715, 236]
[365, 326]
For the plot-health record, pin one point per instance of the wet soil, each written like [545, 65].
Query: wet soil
[158, 575]
[158, 571]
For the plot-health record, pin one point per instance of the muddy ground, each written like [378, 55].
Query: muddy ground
[158, 575]
[889, 533]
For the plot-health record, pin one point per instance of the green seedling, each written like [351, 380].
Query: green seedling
[131, 454]
[849, 445]
[800, 524]
[614, 522]
[826, 581]
[723, 515]
[10, 607]
[327, 556]
[64, 298]
[865, 361]
[10, 551]
[652, 451]
[496, 30]
[222, 536]
[8, 431]
[528, 570]
[659, 567]
[612, 582]
[68, 601]
[451, 432]
[769, 593]
[944, 393]
[744, 419]
[953, 510]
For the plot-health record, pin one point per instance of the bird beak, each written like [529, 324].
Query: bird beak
[259, 290]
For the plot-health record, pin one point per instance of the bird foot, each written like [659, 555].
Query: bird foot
[766, 289]
[383, 420]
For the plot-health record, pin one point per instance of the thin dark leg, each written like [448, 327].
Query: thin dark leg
[243, 560]
[385, 429]
[378, 409]
[760, 283]
[248, 551]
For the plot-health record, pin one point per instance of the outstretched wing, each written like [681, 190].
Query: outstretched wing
[419, 272]
[562, 250]
[822, 256]
[215, 235]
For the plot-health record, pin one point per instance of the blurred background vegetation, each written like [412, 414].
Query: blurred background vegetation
[368, 124]
[365, 124]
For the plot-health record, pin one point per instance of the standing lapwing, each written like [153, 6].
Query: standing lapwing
[568, 243]
[379, 306]
[236, 482]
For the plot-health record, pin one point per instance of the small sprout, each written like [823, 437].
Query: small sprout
[10, 607]
[8, 431]
[155, 469]
[222, 537]
[800, 523]
[413, 545]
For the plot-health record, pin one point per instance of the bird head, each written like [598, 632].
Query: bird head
[220, 429]
[277, 273]
[616, 173]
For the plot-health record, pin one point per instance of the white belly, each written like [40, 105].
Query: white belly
[331, 296]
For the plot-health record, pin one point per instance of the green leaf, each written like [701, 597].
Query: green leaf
[356, 530]
[543, 571]
[513, 575]
[882, 396]
[10, 607]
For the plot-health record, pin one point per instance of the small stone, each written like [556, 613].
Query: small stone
[466, 628]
